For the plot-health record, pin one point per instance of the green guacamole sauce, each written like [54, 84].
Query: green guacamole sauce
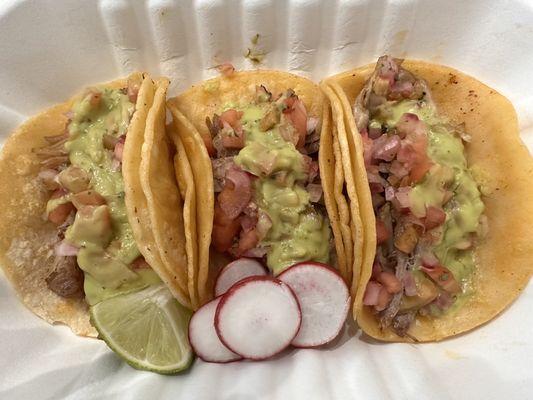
[104, 258]
[298, 233]
[450, 170]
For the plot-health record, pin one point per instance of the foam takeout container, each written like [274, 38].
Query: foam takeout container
[49, 49]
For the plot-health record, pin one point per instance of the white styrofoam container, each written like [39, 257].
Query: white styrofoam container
[49, 49]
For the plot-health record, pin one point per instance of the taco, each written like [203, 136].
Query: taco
[92, 214]
[253, 142]
[441, 178]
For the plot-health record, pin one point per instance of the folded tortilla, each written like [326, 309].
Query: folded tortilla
[504, 171]
[189, 111]
[28, 239]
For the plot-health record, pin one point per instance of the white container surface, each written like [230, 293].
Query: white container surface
[49, 49]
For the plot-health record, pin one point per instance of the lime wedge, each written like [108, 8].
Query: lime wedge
[147, 328]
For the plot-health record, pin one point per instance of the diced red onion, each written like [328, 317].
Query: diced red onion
[248, 223]
[119, 150]
[398, 169]
[402, 195]
[409, 284]
[233, 201]
[115, 164]
[389, 193]
[386, 147]
[65, 249]
[371, 293]
[374, 133]
[444, 301]
[405, 88]
[410, 124]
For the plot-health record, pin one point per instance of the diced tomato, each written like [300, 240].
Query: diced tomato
[60, 214]
[223, 235]
[434, 217]
[248, 240]
[56, 194]
[220, 217]
[224, 230]
[419, 170]
[233, 118]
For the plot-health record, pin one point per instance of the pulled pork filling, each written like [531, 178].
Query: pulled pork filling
[267, 181]
[95, 253]
[427, 205]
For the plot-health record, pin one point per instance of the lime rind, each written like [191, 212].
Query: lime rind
[147, 328]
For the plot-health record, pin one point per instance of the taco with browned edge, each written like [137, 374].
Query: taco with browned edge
[253, 142]
[92, 222]
[442, 185]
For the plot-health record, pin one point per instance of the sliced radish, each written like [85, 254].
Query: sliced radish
[258, 317]
[324, 299]
[204, 339]
[236, 271]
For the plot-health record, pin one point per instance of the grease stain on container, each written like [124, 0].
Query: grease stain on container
[453, 355]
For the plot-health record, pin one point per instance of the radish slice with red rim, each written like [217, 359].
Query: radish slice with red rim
[324, 299]
[258, 317]
[236, 271]
[204, 339]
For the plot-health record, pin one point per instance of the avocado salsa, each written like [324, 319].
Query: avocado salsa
[428, 206]
[267, 182]
[87, 203]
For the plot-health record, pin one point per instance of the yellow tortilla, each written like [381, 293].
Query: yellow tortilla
[326, 161]
[203, 182]
[504, 170]
[163, 199]
[349, 171]
[190, 110]
[27, 239]
[185, 179]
